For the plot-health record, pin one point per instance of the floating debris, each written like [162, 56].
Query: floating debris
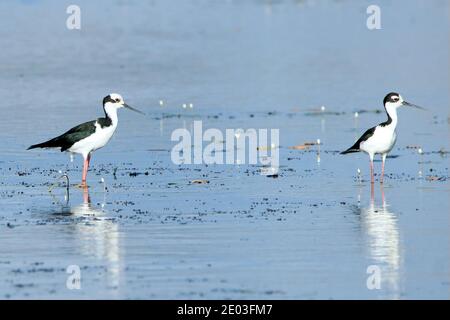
[323, 113]
[300, 147]
[412, 146]
[442, 151]
[135, 174]
[265, 148]
[306, 145]
[436, 178]
[369, 111]
[199, 181]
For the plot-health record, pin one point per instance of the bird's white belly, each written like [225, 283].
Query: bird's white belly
[95, 141]
[382, 141]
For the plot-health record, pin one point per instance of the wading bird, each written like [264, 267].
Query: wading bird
[90, 136]
[381, 139]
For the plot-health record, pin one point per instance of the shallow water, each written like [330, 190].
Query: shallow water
[148, 232]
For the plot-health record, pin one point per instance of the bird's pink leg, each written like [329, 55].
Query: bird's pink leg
[382, 168]
[372, 179]
[83, 179]
[86, 198]
[85, 170]
[372, 194]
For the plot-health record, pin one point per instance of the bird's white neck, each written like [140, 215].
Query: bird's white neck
[111, 112]
[392, 116]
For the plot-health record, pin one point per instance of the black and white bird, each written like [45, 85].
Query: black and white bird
[90, 136]
[381, 139]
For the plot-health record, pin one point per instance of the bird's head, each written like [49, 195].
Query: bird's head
[114, 101]
[394, 100]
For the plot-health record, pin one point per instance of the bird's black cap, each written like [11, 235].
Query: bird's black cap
[107, 99]
[390, 97]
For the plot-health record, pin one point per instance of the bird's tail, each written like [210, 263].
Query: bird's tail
[53, 143]
[351, 150]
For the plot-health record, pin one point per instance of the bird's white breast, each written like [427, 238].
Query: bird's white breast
[382, 140]
[95, 141]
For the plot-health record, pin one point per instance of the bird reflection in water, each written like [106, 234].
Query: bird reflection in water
[95, 235]
[383, 242]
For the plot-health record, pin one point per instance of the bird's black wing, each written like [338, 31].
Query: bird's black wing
[87, 127]
[364, 137]
[76, 134]
[67, 139]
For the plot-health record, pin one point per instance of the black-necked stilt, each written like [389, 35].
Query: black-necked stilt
[381, 139]
[90, 136]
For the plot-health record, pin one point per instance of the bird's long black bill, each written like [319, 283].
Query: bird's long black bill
[405, 103]
[133, 109]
